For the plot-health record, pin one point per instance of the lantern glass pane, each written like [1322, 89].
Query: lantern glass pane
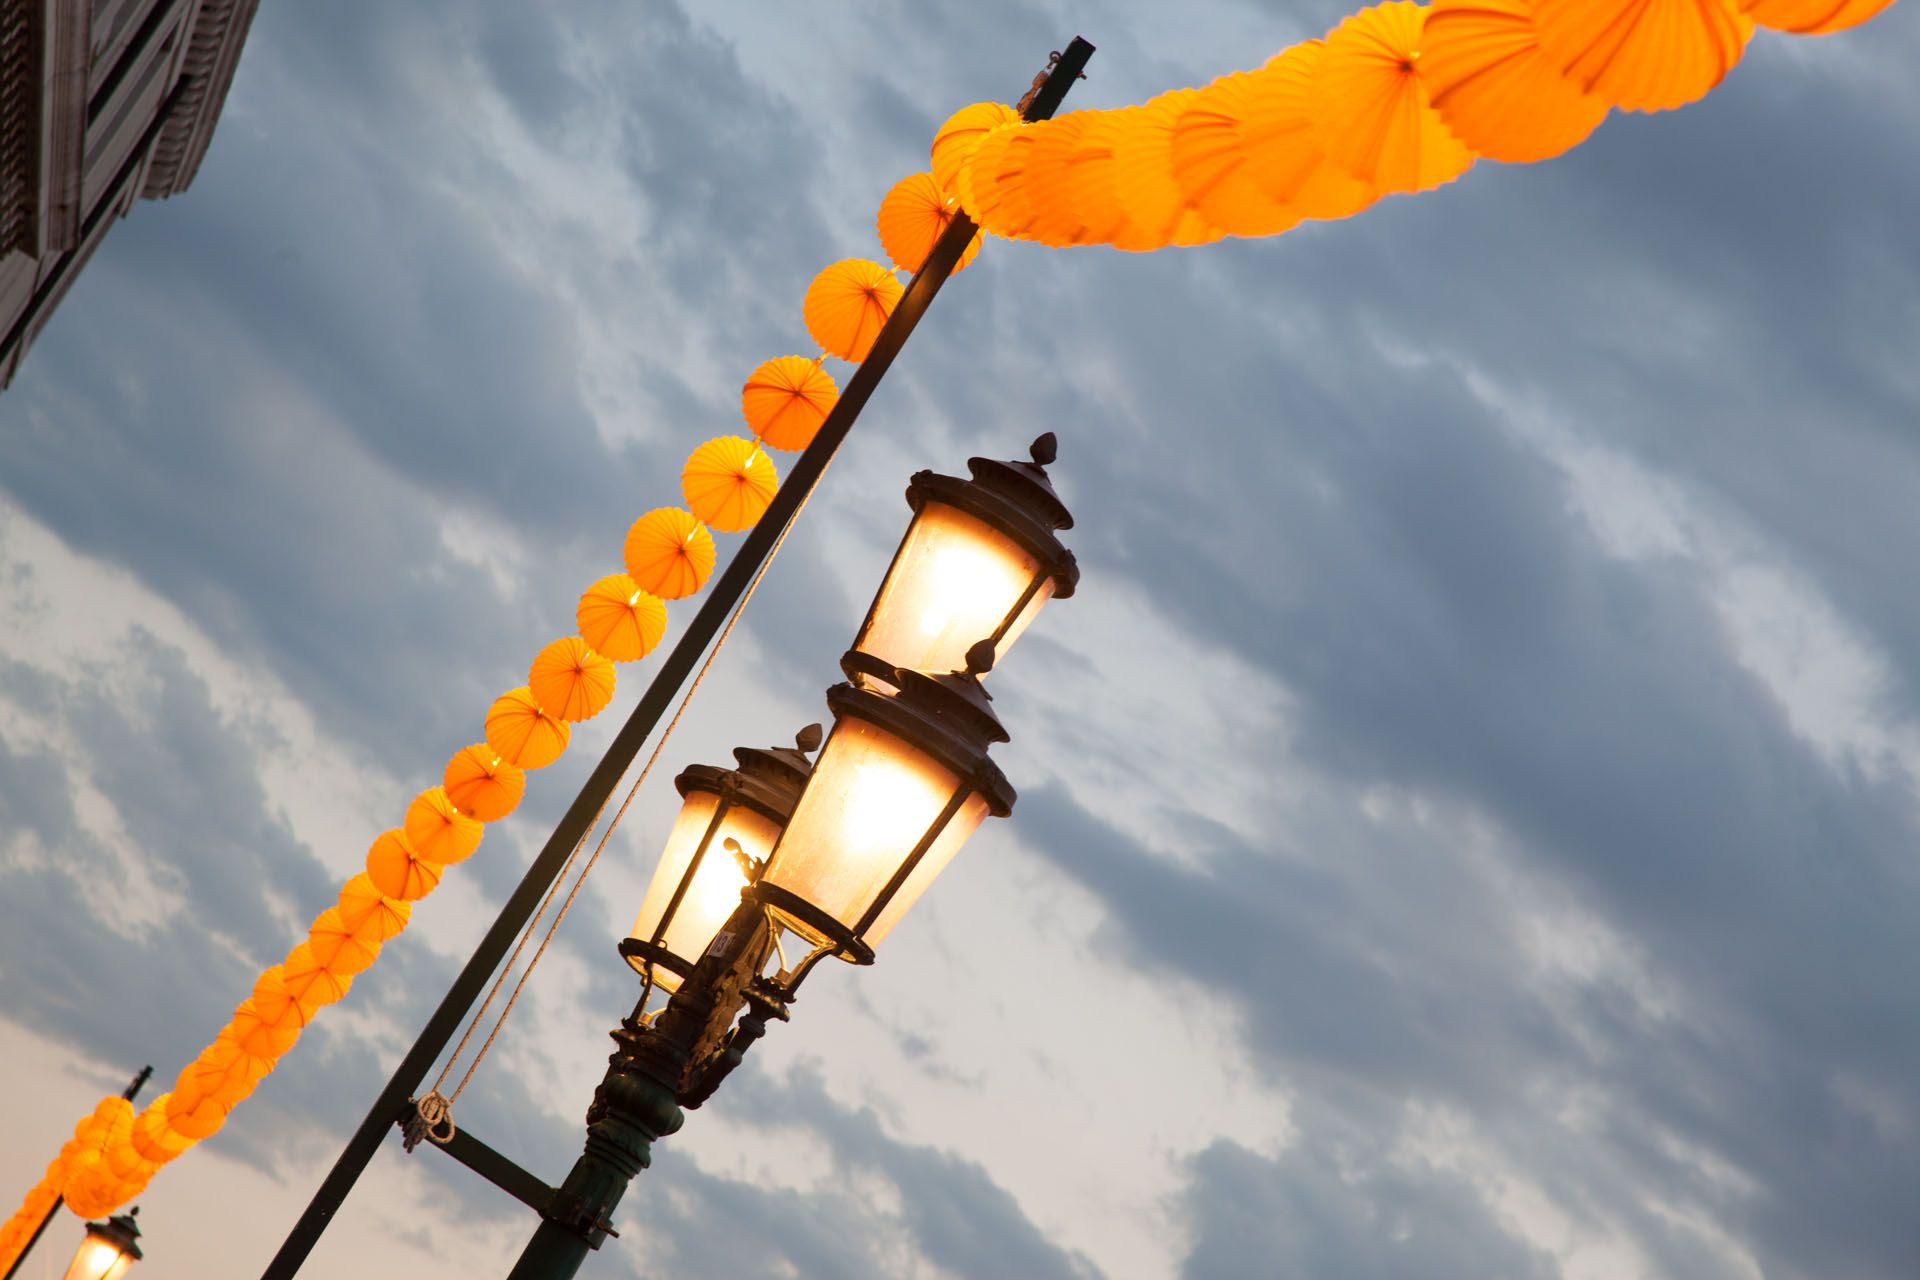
[953, 582]
[99, 1259]
[963, 824]
[870, 800]
[716, 886]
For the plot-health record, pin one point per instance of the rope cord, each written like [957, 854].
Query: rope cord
[586, 868]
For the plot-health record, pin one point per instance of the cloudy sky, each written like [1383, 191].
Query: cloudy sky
[1467, 821]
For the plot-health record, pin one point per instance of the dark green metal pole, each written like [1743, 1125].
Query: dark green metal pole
[637, 1102]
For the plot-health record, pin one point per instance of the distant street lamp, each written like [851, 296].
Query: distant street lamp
[109, 1251]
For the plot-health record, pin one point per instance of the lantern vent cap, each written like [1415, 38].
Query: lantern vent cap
[1026, 481]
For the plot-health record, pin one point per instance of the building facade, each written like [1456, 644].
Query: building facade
[102, 102]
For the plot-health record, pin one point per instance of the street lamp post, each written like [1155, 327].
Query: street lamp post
[394, 1104]
[851, 840]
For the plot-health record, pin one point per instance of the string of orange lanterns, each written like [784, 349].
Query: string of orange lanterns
[1399, 97]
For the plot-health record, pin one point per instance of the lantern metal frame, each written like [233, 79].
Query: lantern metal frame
[1012, 497]
[949, 718]
[119, 1231]
[767, 781]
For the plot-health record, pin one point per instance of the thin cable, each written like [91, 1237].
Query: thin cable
[586, 868]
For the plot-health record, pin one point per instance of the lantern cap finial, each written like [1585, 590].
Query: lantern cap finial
[808, 739]
[980, 659]
[1026, 484]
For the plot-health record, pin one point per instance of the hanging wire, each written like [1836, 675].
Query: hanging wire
[435, 1108]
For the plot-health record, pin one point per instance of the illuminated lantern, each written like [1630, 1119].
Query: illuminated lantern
[109, 1250]
[978, 561]
[901, 783]
[728, 823]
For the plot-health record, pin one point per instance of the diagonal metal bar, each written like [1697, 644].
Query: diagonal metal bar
[673, 673]
[500, 1170]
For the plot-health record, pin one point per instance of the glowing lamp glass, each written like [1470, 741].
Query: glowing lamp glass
[954, 581]
[698, 845]
[107, 1253]
[873, 801]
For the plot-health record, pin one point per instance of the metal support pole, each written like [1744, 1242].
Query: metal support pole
[131, 1092]
[393, 1100]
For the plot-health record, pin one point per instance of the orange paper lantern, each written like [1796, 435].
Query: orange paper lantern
[994, 182]
[1813, 17]
[954, 141]
[1285, 155]
[1490, 82]
[483, 785]
[437, 830]
[274, 1005]
[1054, 171]
[620, 621]
[1209, 158]
[913, 215]
[522, 732]
[309, 981]
[1370, 103]
[570, 680]
[1643, 55]
[397, 871]
[198, 1122]
[151, 1136]
[1090, 187]
[787, 398]
[256, 1036]
[339, 948]
[370, 914]
[728, 482]
[1156, 211]
[668, 553]
[846, 306]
